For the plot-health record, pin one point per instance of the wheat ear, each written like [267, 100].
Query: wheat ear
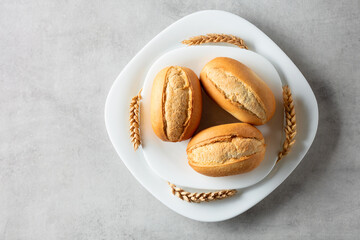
[215, 38]
[200, 197]
[290, 123]
[135, 121]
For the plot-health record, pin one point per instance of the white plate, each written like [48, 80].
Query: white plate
[132, 77]
[169, 160]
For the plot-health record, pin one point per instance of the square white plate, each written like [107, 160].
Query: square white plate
[131, 79]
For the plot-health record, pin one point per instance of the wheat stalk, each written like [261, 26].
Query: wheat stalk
[215, 38]
[200, 197]
[290, 125]
[134, 121]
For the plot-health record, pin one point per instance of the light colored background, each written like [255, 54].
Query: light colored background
[60, 178]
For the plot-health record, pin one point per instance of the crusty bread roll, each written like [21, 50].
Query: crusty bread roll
[176, 103]
[227, 149]
[238, 90]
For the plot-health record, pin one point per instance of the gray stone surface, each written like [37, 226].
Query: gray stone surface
[60, 178]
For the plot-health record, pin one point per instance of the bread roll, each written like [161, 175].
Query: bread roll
[227, 149]
[176, 103]
[238, 90]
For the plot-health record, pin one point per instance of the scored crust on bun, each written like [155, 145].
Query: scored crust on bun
[238, 90]
[176, 103]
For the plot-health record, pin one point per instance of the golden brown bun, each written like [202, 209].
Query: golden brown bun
[238, 90]
[227, 149]
[176, 104]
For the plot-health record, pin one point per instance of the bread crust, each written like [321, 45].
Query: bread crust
[242, 166]
[157, 104]
[258, 87]
[196, 107]
[235, 166]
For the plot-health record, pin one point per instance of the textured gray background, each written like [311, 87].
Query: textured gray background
[60, 178]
